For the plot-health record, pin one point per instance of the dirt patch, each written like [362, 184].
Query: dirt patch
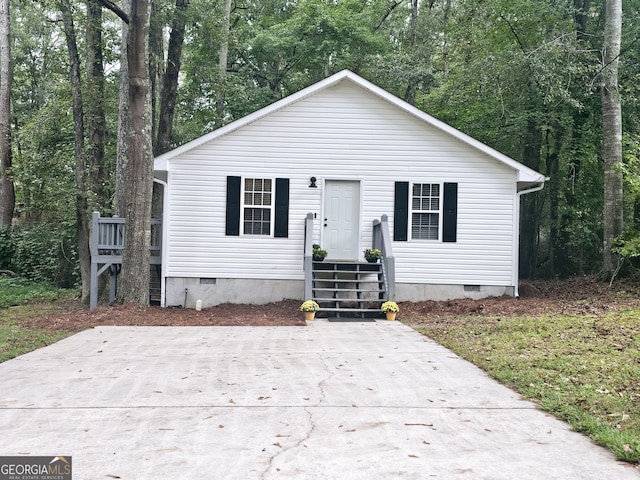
[578, 296]
[77, 317]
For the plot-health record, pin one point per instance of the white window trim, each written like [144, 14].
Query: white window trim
[272, 207]
[440, 212]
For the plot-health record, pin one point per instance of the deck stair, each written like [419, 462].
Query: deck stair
[348, 288]
[155, 282]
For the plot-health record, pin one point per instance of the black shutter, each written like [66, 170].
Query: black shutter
[450, 205]
[282, 208]
[401, 212]
[233, 206]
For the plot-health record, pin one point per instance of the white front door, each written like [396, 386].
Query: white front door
[341, 232]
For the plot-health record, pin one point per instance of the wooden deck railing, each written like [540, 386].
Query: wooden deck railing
[107, 247]
[382, 241]
[308, 256]
[107, 236]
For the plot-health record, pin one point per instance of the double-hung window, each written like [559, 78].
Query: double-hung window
[257, 209]
[425, 211]
[257, 206]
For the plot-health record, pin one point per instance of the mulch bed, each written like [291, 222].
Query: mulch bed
[577, 296]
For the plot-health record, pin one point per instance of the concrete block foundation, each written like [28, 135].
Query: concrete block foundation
[185, 292]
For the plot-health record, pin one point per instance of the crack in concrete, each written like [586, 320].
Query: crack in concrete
[284, 450]
[321, 399]
[330, 374]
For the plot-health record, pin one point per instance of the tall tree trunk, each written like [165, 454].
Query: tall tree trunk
[529, 208]
[122, 155]
[445, 40]
[134, 286]
[410, 94]
[557, 254]
[170, 79]
[156, 56]
[612, 131]
[82, 214]
[97, 128]
[7, 193]
[222, 60]
[581, 16]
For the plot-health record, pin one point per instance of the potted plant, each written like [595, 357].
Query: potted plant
[309, 307]
[318, 253]
[372, 255]
[390, 309]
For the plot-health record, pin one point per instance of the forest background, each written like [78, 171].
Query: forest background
[523, 76]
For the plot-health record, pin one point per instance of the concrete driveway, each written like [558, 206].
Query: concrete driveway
[327, 401]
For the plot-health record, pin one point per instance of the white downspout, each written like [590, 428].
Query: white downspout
[516, 235]
[165, 233]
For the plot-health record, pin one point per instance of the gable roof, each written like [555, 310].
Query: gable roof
[527, 177]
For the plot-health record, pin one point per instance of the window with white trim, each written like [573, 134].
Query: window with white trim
[257, 208]
[425, 211]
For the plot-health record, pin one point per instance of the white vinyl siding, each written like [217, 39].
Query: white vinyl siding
[340, 133]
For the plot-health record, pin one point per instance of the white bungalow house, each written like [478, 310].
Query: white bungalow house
[346, 165]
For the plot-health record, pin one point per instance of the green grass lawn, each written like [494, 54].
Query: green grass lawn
[19, 300]
[583, 369]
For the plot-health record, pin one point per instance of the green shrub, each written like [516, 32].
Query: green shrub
[43, 252]
[7, 248]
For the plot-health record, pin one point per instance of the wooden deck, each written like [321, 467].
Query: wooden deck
[107, 247]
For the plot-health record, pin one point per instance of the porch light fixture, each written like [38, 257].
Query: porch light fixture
[313, 182]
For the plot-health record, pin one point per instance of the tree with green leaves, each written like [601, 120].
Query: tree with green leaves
[134, 285]
[522, 76]
[169, 90]
[612, 133]
[81, 200]
[95, 99]
[7, 195]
